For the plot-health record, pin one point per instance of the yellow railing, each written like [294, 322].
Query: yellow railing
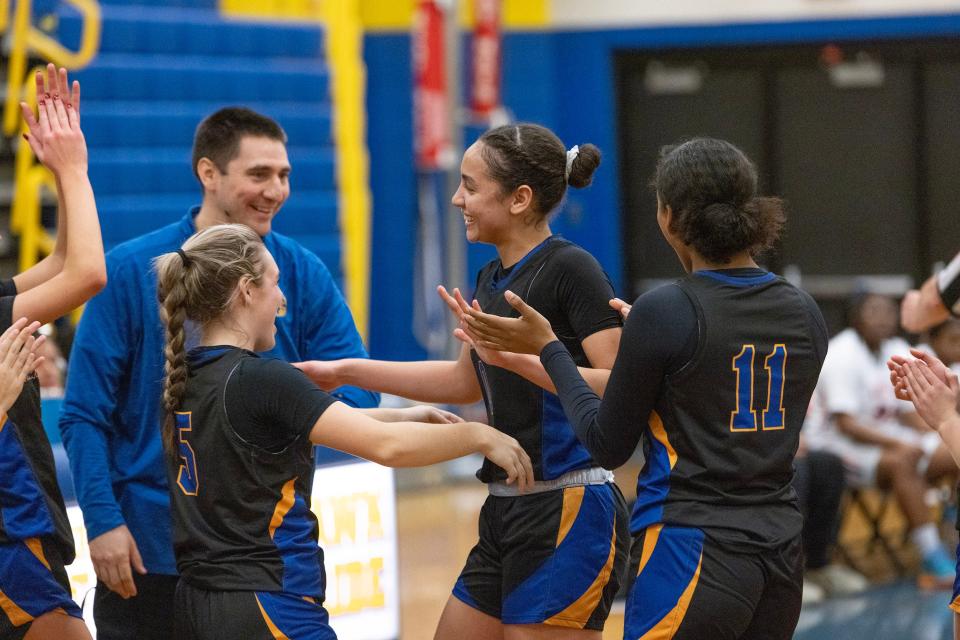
[344, 40]
[29, 176]
[344, 44]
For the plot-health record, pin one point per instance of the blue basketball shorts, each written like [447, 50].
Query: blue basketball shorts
[556, 558]
[689, 586]
[33, 582]
[202, 614]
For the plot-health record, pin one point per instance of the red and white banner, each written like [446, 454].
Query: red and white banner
[431, 110]
[485, 85]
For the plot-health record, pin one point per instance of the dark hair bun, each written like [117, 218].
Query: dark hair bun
[711, 185]
[583, 166]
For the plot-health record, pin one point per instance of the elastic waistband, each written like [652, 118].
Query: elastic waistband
[578, 478]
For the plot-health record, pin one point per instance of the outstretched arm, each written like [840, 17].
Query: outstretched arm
[416, 413]
[52, 264]
[649, 350]
[413, 444]
[600, 347]
[443, 381]
[51, 290]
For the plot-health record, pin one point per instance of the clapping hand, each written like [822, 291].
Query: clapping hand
[529, 333]
[930, 385]
[18, 359]
[898, 371]
[458, 306]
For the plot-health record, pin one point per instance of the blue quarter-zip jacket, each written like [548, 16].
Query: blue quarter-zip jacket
[110, 420]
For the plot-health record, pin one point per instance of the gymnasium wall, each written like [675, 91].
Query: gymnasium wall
[560, 72]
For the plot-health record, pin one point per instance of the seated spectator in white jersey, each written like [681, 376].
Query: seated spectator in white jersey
[882, 441]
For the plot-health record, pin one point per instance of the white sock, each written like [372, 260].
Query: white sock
[926, 538]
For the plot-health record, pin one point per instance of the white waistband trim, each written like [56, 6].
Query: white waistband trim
[580, 477]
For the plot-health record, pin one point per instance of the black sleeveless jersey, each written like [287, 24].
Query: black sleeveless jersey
[567, 285]
[31, 504]
[726, 426]
[241, 513]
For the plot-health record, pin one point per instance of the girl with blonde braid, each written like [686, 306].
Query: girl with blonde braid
[239, 430]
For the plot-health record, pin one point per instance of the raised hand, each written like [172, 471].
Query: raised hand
[54, 134]
[18, 359]
[934, 399]
[453, 303]
[937, 367]
[458, 306]
[489, 356]
[529, 333]
[895, 364]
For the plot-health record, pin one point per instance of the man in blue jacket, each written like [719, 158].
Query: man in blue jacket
[111, 415]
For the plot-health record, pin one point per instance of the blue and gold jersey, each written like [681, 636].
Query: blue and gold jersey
[31, 505]
[568, 286]
[725, 427]
[242, 477]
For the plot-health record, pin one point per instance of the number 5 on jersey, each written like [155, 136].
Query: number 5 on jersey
[187, 478]
[744, 417]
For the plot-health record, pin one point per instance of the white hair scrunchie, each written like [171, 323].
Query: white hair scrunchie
[571, 156]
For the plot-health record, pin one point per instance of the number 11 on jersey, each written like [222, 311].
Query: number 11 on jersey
[744, 417]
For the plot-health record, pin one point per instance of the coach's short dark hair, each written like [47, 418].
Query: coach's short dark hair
[711, 187]
[218, 136]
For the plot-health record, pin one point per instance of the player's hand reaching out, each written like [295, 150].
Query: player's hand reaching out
[457, 306]
[505, 452]
[54, 134]
[18, 359]
[323, 373]
[426, 413]
[621, 306]
[529, 333]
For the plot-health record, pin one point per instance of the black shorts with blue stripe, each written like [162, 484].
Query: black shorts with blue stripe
[555, 558]
[684, 578]
[33, 582]
[252, 615]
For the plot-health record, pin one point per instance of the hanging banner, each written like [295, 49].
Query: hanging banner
[431, 111]
[485, 63]
[434, 156]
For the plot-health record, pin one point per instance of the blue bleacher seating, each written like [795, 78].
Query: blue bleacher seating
[164, 65]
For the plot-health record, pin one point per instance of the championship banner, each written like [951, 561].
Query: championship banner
[485, 62]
